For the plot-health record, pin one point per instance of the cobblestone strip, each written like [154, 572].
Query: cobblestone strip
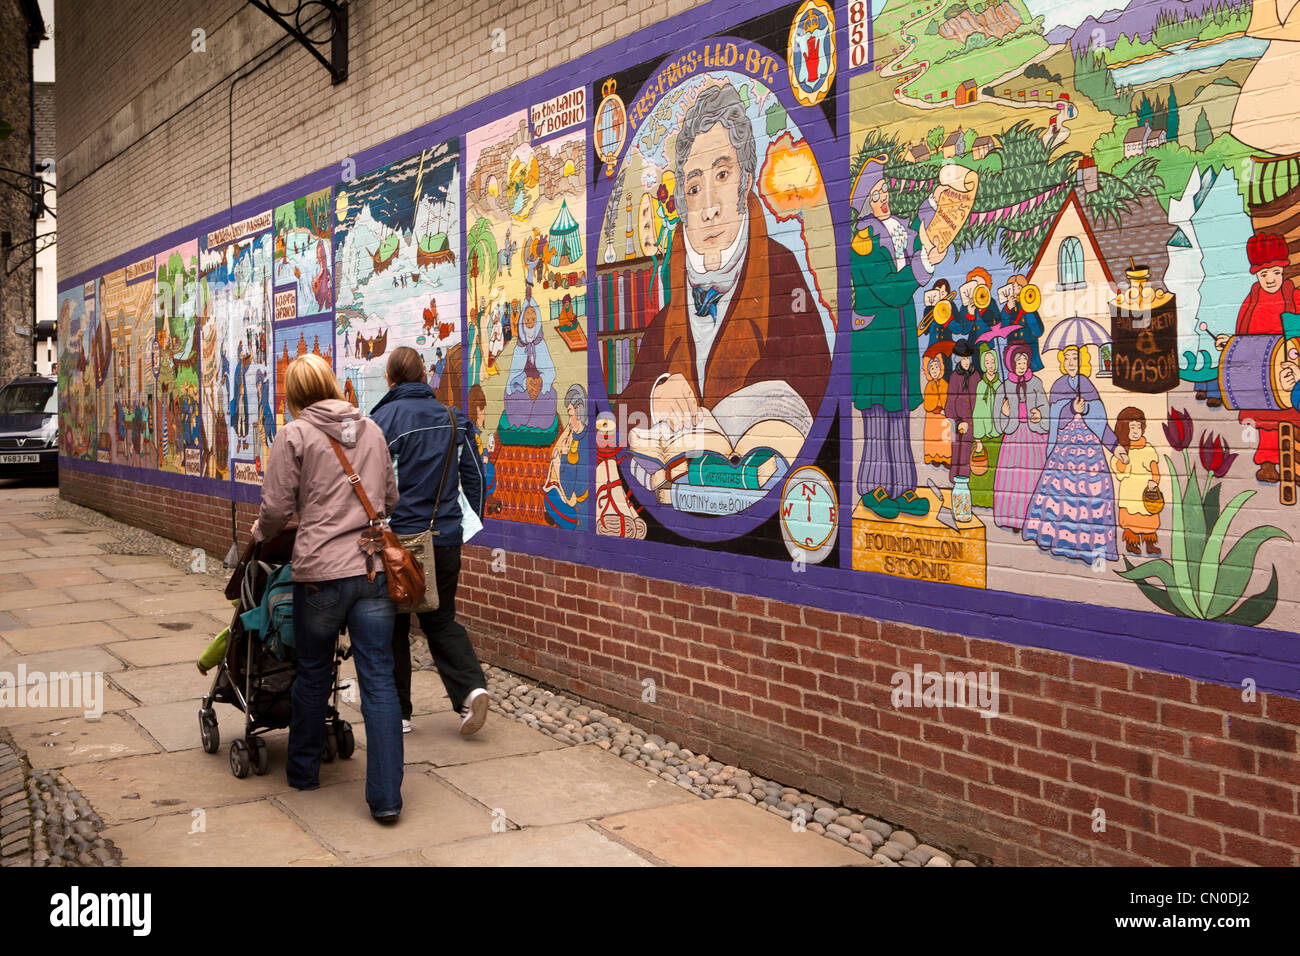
[15, 810]
[572, 722]
[43, 821]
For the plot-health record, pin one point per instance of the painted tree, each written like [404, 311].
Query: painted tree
[934, 139]
[1144, 111]
[1204, 135]
[1171, 121]
[481, 248]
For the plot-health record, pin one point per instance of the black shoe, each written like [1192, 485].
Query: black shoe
[388, 817]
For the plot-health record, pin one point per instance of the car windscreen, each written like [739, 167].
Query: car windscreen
[28, 398]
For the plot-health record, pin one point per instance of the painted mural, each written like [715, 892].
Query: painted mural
[125, 303]
[176, 328]
[397, 242]
[236, 337]
[79, 393]
[947, 305]
[526, 334]
[1074, 229]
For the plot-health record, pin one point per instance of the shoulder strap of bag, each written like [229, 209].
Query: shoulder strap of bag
[353, 479]
[446, 467]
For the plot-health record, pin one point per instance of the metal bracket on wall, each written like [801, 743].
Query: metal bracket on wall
[328, 33]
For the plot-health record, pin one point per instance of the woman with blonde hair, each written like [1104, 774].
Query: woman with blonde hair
[1072, 511]
[336, 584]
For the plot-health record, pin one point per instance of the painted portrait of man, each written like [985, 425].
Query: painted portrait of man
[739, 310]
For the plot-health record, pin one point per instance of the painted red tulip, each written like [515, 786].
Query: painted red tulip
[1216, 456]
[1178, 430]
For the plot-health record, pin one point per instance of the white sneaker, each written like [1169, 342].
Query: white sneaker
[474, 714]
[406, 726]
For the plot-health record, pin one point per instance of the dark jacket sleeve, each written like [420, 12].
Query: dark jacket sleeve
[471, 467]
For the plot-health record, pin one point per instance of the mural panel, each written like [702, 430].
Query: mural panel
[526, 337]
[1077, 229]
[716, 302]
[176, 327]
[238, 422]
[125, 302]
[397, 241]
[78, 392]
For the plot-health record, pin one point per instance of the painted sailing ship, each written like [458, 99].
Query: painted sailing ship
[434, 247]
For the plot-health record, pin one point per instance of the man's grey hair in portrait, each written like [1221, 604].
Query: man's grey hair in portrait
[717, 104]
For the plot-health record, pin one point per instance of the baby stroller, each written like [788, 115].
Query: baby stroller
[256, 672]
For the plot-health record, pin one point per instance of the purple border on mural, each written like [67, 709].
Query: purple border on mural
[1222, 653]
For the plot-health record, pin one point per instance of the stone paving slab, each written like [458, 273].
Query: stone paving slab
[66, 578]
[82, 659]
[75, 612]
[175, 725]
[725, 833]
[25, 597]
[181, 648]
[565, 844]
[436, 739]
[167, 625]
[562, 786]
[134, 788]
[113, 701]
[432, 813]
[163, 684]
[175, 602]
[30, 640]
[74, 740]
[6, 652]
[100, 591]
[49, 566]
[137, 570]
[248, 834]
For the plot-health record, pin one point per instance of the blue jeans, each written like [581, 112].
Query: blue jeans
[320, 610]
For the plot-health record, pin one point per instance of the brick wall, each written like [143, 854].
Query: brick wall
[1186, 772]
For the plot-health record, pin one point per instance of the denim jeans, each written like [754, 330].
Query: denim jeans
[449, 643]
[320, 610]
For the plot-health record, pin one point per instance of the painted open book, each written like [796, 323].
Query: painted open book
[736, 449]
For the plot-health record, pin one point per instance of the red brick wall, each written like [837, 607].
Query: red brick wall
[199, 520]
[1186, 772]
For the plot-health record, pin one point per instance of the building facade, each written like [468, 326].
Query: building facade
[803, 584]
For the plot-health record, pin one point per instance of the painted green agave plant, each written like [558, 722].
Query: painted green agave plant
[1199, 580]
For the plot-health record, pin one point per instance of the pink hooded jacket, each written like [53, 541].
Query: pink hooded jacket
[305, 476]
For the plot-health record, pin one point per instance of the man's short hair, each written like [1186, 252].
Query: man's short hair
[717, 104]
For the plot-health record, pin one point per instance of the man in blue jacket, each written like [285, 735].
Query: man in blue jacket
[418, 429]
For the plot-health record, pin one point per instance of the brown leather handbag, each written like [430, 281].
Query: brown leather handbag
[403, 573]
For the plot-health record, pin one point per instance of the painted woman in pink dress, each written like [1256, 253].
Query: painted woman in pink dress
[1020, 413]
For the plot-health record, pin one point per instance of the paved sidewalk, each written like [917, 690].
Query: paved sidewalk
[508, 796]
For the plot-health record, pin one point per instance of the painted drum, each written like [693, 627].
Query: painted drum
[1248, 373]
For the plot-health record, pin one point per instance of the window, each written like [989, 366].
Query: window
[1069, 264]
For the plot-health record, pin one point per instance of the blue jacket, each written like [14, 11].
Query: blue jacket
[417, 428]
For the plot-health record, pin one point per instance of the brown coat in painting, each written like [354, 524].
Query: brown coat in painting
[762, 336]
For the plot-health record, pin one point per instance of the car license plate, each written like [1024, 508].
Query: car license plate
[20, 459]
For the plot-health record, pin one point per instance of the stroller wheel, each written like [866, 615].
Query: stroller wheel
[261, 755]
[239, 760]
[346, 742]
[331, 747]
[209, 733]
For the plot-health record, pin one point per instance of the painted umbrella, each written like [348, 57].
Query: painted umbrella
[1076, 332]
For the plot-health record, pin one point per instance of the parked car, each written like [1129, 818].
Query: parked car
[29, 427]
